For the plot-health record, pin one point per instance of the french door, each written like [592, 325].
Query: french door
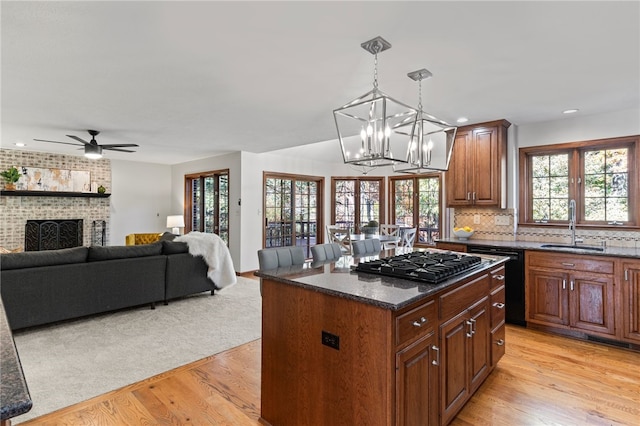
[292, 210]
[207, 203]
[416, 203]
[357, 201]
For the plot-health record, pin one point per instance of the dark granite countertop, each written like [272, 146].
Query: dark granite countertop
[14, 395]
[337, 278]
[531, 245]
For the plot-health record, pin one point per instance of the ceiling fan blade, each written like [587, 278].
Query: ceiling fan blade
[117, 149]
[121, 145]
[65, 143]
[79, 139]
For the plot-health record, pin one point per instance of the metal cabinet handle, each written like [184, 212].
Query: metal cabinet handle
[564, 284]
[473, 326]
[474, 195]
[468, 196]
[499, 305]
[626, 275]
[571, 285]
[499, 277]
[437, 360]
[470, 332]
[568, 264]
[500, 342]
[419, 323]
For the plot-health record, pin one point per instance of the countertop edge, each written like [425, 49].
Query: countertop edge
[14, 393]
[534, 245]
[272, 275]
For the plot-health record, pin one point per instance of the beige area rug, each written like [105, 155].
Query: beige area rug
[73, 361]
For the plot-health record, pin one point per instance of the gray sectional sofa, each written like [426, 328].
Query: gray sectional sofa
[47, 286]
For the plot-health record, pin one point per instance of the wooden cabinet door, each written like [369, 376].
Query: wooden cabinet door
[417, 383]
[547, 299]
[454, 335]
[591, 302]
[631, 300]
[459, 177]
[479, 343]
[486, 167]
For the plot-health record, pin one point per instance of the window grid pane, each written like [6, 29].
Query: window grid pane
[403, 193]
[429, 208]
[369, 202]
[550, 187]
[606, 185]
[345, 204]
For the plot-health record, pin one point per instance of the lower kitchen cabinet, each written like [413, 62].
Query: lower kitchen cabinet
[465, 352]
[417, 368]
[571, 292]
[631, 300]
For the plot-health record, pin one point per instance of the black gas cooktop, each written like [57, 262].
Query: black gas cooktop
[427, 267]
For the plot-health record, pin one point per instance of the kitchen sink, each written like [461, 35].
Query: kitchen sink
[572, 247]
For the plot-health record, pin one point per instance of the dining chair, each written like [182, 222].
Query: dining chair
[340, 235]
[326, 252]
[408, 238]
[276, 257]
[367, 247]
[390, 230]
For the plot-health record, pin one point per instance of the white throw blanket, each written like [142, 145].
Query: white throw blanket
[215, 253]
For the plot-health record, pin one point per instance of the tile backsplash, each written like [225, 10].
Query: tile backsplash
[501, 225]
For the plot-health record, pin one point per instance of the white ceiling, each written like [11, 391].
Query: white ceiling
[189, 80]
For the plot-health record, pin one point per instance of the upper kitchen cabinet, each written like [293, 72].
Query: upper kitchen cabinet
[478, 168]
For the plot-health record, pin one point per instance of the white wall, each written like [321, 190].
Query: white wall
[323, 159]
[580, 128]
[140, 200]
[571, 129]
[245, 186]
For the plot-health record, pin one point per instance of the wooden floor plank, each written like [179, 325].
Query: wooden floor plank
[542, 380]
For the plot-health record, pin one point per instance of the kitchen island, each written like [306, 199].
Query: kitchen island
[345, 347]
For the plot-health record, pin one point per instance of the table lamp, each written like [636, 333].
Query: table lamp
[175, 222]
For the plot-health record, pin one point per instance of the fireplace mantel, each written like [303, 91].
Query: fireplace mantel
[53, 194]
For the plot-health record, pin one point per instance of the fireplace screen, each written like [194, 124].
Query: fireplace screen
[52, 234]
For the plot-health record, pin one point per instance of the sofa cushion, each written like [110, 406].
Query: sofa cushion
[97, 253]
[31, 259]
[167, 236]
[174, 247]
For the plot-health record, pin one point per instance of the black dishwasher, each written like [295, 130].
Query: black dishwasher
[513, 281]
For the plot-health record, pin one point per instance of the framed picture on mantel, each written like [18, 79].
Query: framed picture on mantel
[54, 180]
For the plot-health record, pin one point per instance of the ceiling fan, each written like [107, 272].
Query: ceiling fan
[92, 149]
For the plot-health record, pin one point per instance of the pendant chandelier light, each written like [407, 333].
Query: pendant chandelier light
[432, 139]
[367, 125]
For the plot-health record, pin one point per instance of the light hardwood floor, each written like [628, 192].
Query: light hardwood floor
[541, 380]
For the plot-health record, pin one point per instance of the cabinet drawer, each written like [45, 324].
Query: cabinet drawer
[456, 301]
[497, 301]
[451, 246]
[497, 344]
[497, 278]
[575, 262]
[415, 323]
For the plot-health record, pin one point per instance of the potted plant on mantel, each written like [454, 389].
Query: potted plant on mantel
[10, 176]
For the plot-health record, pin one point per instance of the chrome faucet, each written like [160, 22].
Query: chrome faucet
[572, 221]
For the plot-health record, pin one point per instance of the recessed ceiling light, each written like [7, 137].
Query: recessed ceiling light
[20, 144]
[462, 120]
[570, 111]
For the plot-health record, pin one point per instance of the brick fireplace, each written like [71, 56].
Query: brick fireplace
[16, 210]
